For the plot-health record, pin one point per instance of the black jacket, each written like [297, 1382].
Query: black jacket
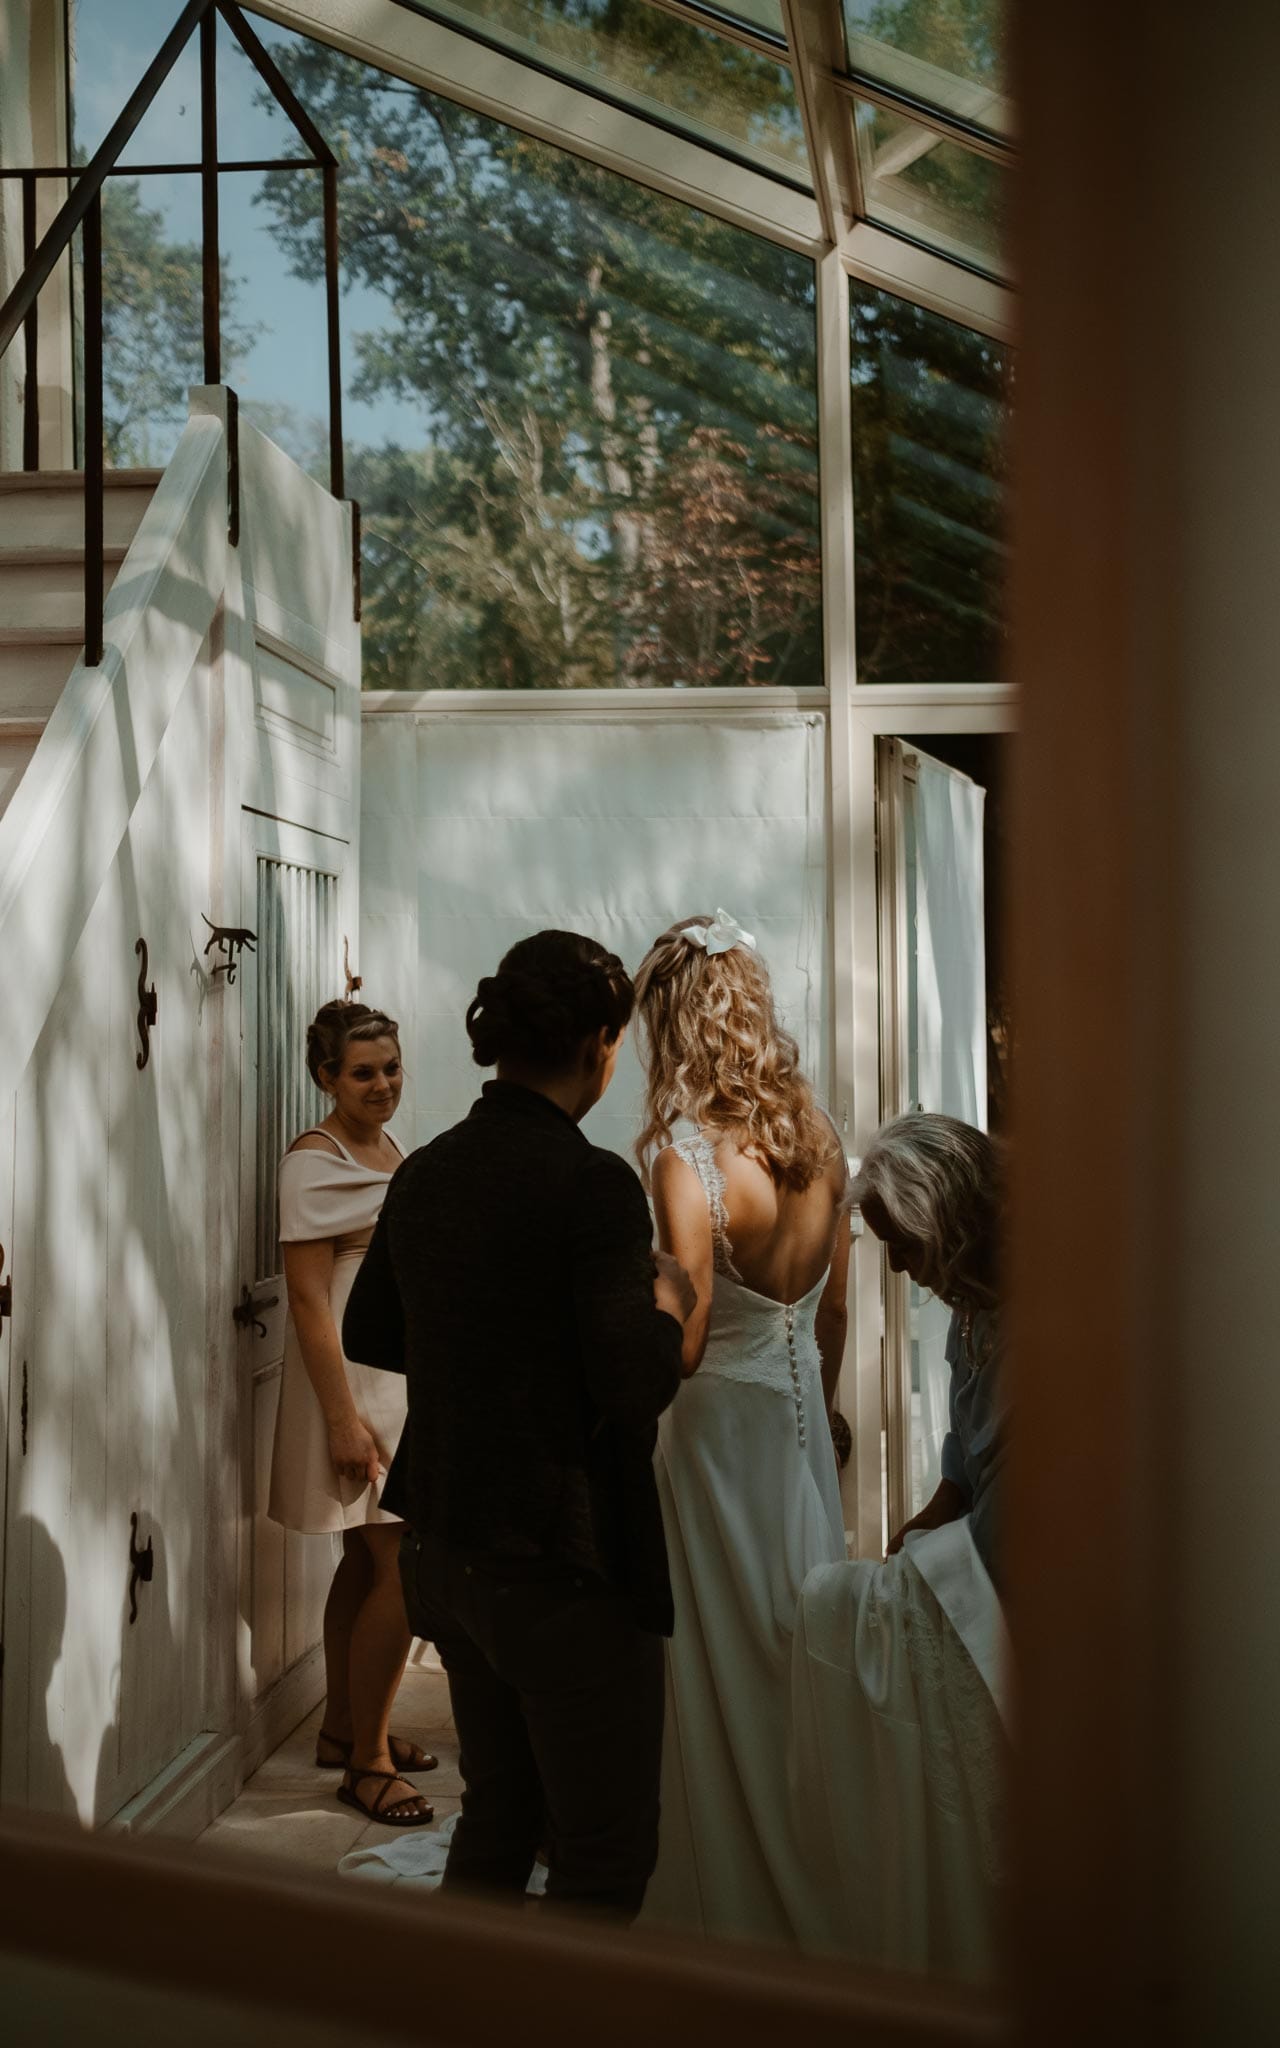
[510, 1278]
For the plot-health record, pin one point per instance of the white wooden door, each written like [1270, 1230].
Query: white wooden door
[296, 895]
[104, 1680]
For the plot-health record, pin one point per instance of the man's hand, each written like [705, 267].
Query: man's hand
[673, 1291]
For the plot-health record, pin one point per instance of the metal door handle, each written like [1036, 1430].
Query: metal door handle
[245, 1313]
[142, 1565]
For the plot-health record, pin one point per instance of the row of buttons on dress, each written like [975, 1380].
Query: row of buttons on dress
[789, 1316]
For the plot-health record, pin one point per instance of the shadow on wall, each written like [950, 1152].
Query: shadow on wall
[112, 1165]
[145, 1656]
[46, 1775]
[147, 1652]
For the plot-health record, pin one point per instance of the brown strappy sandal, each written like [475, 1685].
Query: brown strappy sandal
[417, 1817]
[405, 1755]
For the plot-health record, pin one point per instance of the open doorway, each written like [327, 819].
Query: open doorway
[946, 1029]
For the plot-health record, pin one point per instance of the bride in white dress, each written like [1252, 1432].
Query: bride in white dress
[752, 1206]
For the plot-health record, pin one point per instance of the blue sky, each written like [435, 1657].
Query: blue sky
[114, 41]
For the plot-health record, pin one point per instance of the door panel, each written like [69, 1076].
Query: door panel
[295, 890]
[102, 1692]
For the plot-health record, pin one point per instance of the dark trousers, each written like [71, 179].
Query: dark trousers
[557, 1700]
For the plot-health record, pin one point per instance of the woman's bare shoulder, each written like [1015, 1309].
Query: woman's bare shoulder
[315, 1141]
[670, 1169]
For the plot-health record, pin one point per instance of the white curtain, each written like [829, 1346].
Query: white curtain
[949, 1026]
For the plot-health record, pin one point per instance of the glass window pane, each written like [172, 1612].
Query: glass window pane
[921, 184]
[948, 53]
[930, 416]
[715, 89]
[765, 14]
[590, 447]
[581, 418]
[273, 321]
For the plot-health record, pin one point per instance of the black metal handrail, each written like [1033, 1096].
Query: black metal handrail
[83, 208]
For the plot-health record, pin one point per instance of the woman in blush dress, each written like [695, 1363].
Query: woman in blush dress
[752, 1205]
[338, 1422]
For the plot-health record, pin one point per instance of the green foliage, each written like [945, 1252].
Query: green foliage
[638, 52]
[577, 358]
[929, 466]
[152, 324]
[964, 37]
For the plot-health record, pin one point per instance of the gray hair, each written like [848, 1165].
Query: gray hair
[941, 1183]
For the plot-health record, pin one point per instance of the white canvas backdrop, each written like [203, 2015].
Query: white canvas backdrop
[948, 1025]
[479, 828]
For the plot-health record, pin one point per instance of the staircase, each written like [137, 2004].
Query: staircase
[42, 592]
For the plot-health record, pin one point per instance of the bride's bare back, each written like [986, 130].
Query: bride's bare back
[783, 1239]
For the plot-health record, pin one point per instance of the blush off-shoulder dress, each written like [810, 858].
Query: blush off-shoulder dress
[329, 1194]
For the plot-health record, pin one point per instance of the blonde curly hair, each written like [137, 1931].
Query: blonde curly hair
[718, 1056]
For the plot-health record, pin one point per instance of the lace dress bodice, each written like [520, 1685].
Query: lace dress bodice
[753, 1338]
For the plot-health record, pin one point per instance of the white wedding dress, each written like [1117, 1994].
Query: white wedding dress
[899, 1750]
[751, 1504]
[836, 1733]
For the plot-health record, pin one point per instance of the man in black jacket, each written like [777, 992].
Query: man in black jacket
[511, 1277]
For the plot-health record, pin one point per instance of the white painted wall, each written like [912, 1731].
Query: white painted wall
[481, 826]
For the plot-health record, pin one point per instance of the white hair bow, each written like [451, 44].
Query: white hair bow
[720, 936]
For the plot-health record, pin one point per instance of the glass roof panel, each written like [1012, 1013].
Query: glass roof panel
[948, 53]
[918, 183]
[765, 14]
[661, 66]
[930, 459]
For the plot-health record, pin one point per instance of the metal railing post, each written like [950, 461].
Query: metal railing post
[210, 257]
[331, 290]
[30, 338]
[89, 179]
[83, 208]
[94, 485]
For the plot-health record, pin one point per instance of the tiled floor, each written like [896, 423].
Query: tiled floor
[290, 1810]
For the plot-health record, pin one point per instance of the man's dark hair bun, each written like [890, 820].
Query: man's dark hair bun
[550, 993]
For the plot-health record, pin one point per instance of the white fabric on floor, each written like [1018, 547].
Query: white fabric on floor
[899, 1749]
[887, 1761]
[417, 1857]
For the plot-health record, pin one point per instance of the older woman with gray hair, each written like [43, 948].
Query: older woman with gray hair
[932, 1190]
[899, 1667]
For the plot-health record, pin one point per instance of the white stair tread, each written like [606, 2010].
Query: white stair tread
[41, 636]
[73, 479]
[53, 557]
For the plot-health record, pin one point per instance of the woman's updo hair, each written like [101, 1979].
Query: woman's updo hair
[332, 1030]
[549, 994]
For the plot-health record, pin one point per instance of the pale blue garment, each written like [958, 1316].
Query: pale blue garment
[974, 1448]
